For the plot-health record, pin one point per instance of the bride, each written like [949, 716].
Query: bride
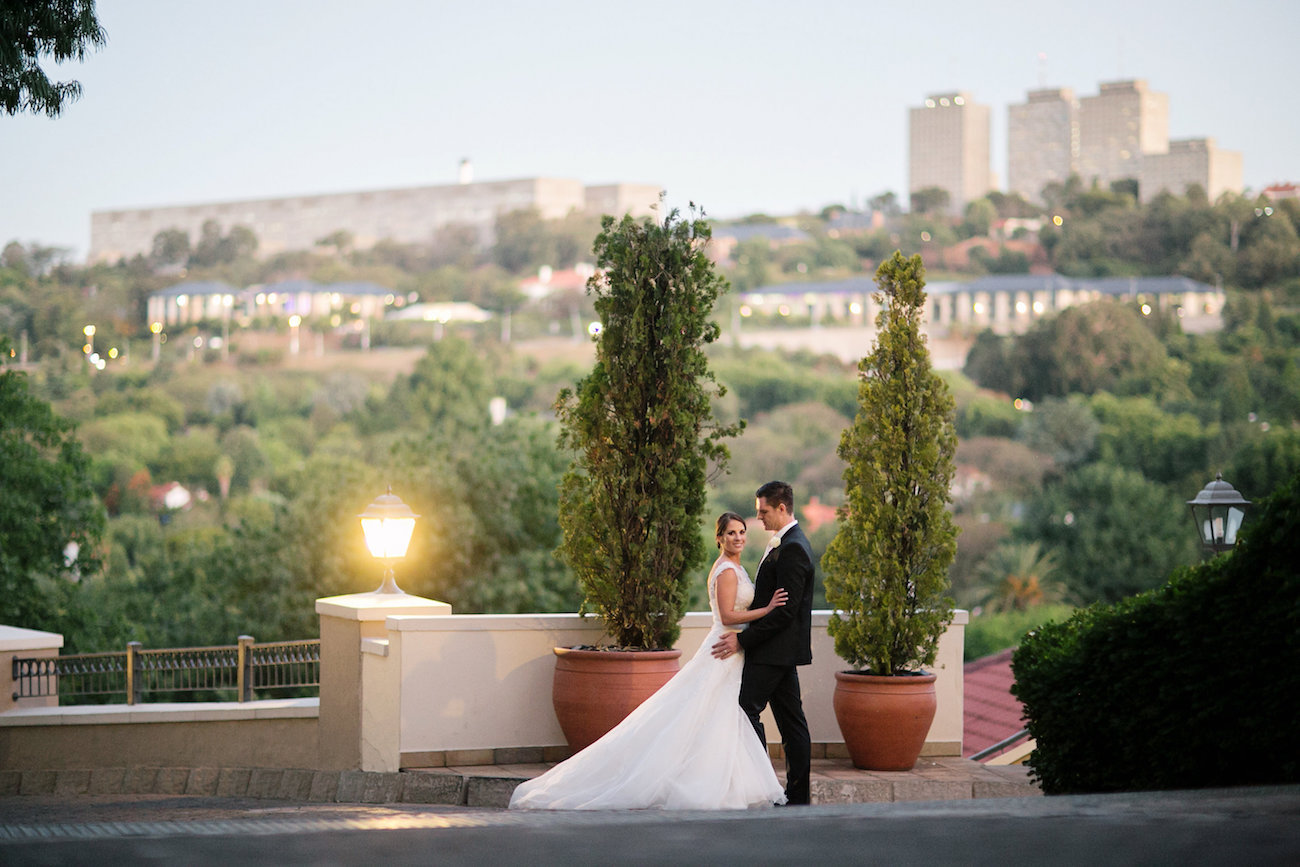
[689, 746]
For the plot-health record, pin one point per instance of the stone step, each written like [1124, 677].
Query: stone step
[833, 782]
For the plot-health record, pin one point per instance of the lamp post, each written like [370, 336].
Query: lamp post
[294, 321]
[387, 524]
[1218, 511]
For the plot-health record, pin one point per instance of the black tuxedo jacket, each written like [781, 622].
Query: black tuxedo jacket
[783, 636]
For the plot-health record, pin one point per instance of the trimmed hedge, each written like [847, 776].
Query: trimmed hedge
[1192, 685]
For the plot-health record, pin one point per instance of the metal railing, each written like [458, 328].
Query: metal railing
[245, 668]
[1000, 745]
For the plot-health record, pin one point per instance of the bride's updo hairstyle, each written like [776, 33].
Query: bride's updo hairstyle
[723, 521]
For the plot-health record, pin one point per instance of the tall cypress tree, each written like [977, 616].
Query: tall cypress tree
[642, 428]
[887, 568]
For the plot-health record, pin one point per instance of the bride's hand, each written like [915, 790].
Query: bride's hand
[778, 599]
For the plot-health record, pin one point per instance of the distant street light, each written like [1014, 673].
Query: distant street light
[1218, 511]
[294, 322]
[387, 524]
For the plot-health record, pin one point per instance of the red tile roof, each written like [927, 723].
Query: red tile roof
[992, 713]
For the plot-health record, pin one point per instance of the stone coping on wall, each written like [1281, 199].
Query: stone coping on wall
[15, 639]
[377, 606]
[163, 712]
[486, 622]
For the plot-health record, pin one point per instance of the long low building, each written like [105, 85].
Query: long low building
[189, 303]
[411, 215]
[1006, 303]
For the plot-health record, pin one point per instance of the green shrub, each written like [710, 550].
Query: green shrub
[1191, 685]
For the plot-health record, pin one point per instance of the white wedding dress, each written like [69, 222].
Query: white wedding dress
[687, 747]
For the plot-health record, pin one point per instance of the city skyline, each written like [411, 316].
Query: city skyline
[734, 106]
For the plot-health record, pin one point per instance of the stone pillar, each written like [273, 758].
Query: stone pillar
[1002, 306]
[360, 679]
[964, 311]
[26, 643]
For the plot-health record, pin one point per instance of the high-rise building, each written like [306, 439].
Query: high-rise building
[1042, 141]
[1191, 161]
[1117, 127]
[948, 147]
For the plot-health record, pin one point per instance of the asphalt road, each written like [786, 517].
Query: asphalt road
[1254, 826]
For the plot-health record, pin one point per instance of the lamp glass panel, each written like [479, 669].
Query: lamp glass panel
[1219, 518]
[1235, 517]
[397, 536]
[387, 538]
[373, 528]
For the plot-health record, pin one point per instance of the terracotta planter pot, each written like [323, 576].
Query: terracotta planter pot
[595, 689]
[884, 720]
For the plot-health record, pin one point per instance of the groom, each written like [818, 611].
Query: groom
[775, 644]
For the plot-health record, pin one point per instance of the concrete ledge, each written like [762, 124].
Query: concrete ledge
[107, 781]
[434, 788]
[295, 785]
[162, 712]
[233, 782]
[265, 782]
[833, 782]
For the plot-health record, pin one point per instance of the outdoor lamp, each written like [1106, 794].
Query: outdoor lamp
[387, 524]
[1218, 511]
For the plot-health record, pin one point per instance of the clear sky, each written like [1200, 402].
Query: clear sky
[742, 106]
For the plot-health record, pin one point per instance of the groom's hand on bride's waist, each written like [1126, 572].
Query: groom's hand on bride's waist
[726, 646]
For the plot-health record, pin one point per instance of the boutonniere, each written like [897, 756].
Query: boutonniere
[772, 546]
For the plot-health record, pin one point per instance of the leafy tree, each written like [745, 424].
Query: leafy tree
[47, 506]
[641, 427]
[1064, 430]
[494, 521]
[887, 568]
[980, 215]
[1264, 462]
[796, 443]
[1018, 576]
[189, 457]
[170, 247]
[30, 29]
[1112, 532]
[457, 244]
[930, 200]
[1084, 349]
[992, 632]
[885, 203]
[1014, 468]
[1010, 205]
[1165, 447]
[523, 242]
[448, 390]
[989, 415]
[214, 248]
[340, 240]
[989, 362]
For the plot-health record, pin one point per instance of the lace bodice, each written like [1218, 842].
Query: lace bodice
[744, 588]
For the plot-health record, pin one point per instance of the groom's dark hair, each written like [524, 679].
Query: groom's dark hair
[777, 493]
